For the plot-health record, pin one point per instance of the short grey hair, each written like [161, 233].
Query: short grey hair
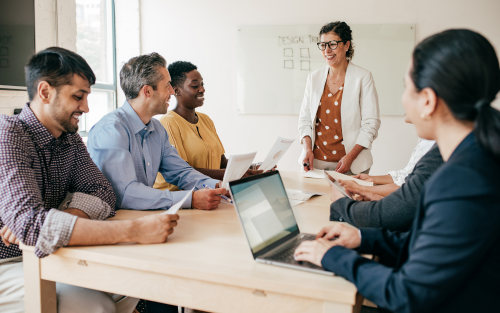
[140, 71]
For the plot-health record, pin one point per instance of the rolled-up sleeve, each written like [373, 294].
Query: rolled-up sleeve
[370, 115]
[55, 233]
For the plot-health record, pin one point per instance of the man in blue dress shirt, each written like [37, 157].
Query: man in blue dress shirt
[130, 147]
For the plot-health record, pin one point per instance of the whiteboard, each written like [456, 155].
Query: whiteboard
[273, 63]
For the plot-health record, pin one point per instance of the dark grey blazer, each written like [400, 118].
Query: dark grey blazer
[397, 210]
[449, 261]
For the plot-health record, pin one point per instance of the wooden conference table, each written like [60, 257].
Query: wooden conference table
[205, 264]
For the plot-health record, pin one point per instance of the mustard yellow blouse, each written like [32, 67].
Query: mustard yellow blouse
[198, 144]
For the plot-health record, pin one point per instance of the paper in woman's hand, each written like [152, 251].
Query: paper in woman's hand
[276, 153]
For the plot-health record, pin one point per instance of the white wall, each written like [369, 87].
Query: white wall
[204, 32]
[128, 37]
[55, 25]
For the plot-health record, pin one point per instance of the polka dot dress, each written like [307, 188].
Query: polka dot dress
[328, 144]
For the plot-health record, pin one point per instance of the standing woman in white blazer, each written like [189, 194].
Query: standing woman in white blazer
[339, 117]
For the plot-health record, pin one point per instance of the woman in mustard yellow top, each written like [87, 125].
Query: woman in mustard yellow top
[192, 133]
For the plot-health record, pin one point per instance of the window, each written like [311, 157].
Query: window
[95, 41]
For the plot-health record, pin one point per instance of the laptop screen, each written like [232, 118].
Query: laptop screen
[264, 210]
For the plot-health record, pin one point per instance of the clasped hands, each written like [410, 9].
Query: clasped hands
[337, 235]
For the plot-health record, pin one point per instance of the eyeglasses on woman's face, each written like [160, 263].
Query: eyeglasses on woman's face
[333, 44]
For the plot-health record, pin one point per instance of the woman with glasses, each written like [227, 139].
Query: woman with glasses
[339, 118]
[450, 260]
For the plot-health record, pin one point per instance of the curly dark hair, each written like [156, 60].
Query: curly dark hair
[178, 71]
[342, 30]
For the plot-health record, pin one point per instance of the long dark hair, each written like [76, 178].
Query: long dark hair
[462, 68]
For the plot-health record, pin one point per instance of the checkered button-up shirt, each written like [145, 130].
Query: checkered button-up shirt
[41, 177]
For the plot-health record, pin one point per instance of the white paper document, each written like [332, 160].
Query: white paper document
[313, 174]
[295, 202]
[301, 195]
[236, 167]
[174, 208]
[276, 153]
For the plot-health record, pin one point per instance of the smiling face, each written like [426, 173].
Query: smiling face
[69, 104]
[192, 92]
[337, 56]
[161, 96]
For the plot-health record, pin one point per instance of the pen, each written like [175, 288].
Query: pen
[222, 196]
[306, 164]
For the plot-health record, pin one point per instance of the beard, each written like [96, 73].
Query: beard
[62, 118]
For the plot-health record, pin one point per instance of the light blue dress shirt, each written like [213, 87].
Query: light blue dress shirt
[130, 154]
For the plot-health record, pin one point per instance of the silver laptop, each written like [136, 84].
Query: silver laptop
[268, 221]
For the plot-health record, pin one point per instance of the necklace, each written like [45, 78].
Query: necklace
[332, 82]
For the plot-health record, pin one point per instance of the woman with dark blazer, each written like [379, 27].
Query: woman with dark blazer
[450, 260]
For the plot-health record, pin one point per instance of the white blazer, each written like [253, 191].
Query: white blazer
[359, 111]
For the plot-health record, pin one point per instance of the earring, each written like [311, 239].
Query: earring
[425, 117]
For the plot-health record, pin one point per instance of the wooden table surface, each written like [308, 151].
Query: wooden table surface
[205, 264]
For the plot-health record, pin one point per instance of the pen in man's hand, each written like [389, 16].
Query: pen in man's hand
[222, 196]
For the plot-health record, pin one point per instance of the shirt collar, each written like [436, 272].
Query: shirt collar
[41, 135]
[135, 120]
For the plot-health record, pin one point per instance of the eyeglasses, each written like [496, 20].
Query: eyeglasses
[332, 44]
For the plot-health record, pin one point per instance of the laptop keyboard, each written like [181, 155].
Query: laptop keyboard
[286, 255]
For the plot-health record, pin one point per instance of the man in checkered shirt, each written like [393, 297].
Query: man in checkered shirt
[51, 192]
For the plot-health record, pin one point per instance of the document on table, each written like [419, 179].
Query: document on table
[236, 167]
[301, 195]
[276, 153]
[174, 208]
[319, 174]
[295, 202]
[297, 197]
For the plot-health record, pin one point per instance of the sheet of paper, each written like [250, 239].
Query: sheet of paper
[336, 185]
[301, 195]
[237, 167]
[295, 202]
[276, 153]
[313, 174]
[174, 208]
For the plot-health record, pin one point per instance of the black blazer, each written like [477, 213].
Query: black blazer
[396, 211]
[450, 260]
